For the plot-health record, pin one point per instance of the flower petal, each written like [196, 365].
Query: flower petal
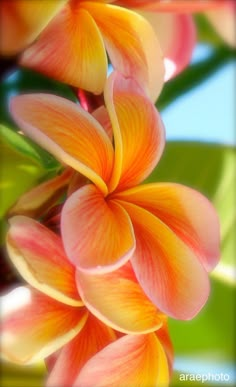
[131, 43]
[68, 132]
[38, 255]
[187, 212]
[23, 20]
[70, 50]
[102, 116]
[39, 199]
[36, 325]
[97, 234]
[138, 132]
[119, 301]
[177, 36]
[223, 20]
[91, 339]
[169, 272]
[133, 360]
[165, 340]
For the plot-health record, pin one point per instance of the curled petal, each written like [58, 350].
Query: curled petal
[118, 300]
[68, 132]
[71, 50]
[97, 234]
[91, 339]
[138, 132]
[169, 272]
[131, 44]
[39, 199]
[164, 337]
[23, 20]
[133, 360]
[36, 325]
[186, 212]
[38, 255]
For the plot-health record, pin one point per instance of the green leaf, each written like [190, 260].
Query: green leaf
[21, 168]
[28, 148]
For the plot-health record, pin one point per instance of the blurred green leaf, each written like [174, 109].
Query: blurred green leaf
[22, 376]
[21, 168]
[22, 81]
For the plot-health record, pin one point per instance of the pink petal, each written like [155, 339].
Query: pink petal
[118, 300]
[137, 360]
[34, 326]
[68, 132]
[97, 233]
[169, 272]
[91, 339]
[38, 255]
[138, 132]
[186, 212]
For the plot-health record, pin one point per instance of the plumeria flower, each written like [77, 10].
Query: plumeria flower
[169, 232]
[75, 37]
[174, 25]
[49, 318]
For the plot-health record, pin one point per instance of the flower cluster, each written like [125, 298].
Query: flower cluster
[107, 257]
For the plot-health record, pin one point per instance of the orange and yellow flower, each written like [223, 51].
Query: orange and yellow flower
[169, 232]
[49, 318]
[75, 37]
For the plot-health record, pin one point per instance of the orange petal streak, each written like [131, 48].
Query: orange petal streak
[137, 360]
[188, 213]
[39, 257]
[37, 327]
[138, 132]
[169, 272]
[118, 300]
[70, 50]
[92, 338]
[68, 132]
[131, 43]
[97, 234]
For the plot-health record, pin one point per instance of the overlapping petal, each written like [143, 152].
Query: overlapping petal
[71, 50]
[137, 360]
[118, 300]
[97, 234]
[131, 44]
[39, 257]
[68, 132]
[23, 20]
[138, 131]
[39, 199]
[186, 212]
[37, 326]
[91, 339]
[177, 36]
[166, 267]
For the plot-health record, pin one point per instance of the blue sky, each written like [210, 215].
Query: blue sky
[207, 112]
